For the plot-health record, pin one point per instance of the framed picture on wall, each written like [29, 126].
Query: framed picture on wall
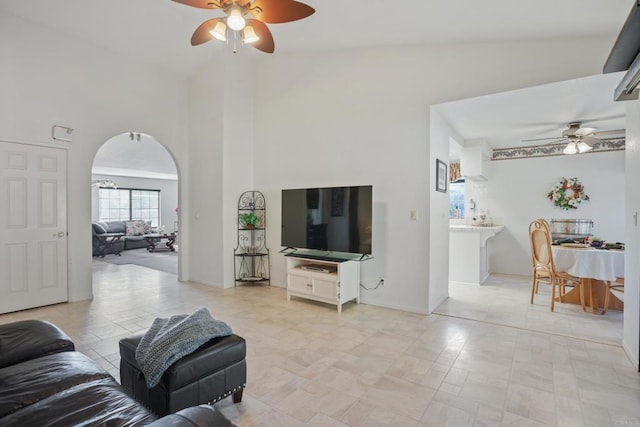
[441, 176]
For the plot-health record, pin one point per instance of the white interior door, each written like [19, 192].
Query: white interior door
[33, 226]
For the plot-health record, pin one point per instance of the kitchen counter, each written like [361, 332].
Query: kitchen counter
[468, 260]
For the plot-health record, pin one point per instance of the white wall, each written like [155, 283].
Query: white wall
[440, 137]
[361, 117]
[206, 107]
[48, 78]
[238, 158]
[168, 195]
[516, 193]
[630, 339]
[220, 164]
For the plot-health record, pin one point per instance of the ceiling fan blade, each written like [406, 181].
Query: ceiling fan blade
[585, 131]
[540, 139]
[202, 4]
[609, 132]
[265, 42]
[202, 34]
[279, 11]
[558, 141]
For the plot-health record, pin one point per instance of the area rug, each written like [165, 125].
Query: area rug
[166, 261]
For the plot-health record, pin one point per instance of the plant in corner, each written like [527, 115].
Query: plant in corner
[249, 220]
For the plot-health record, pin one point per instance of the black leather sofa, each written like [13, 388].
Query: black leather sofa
[127, 242]
[44, 382]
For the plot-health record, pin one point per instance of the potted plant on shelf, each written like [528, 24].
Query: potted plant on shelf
[249, 220]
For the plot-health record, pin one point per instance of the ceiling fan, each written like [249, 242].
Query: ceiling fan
[578, 138]
[245, 20]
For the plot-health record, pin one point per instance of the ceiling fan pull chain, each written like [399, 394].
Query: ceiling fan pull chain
[235, 40]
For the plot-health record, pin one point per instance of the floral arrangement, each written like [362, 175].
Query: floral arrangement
[568, 194]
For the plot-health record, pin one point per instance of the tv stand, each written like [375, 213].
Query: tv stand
[329, 280]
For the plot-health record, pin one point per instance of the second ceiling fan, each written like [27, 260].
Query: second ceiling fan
[578, 138]
[245, 20]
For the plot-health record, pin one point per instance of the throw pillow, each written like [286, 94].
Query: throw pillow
[147, 227]
[100, 227]
[135, 228]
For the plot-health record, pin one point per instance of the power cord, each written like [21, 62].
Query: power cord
[380, 283]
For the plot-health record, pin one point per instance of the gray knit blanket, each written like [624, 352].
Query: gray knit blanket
[169, 340]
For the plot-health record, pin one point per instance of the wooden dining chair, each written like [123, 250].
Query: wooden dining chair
[617, 286]
[544, 269]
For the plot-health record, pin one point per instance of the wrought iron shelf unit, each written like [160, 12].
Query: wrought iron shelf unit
[251, 255]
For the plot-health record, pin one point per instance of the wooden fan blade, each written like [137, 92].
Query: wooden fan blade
[265, 43]
[279, 11]
[202, 4]
[202, 34]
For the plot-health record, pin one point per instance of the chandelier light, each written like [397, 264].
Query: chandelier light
[249, 35]
[219, 31]
[571, 148]
[235, 21]
[583, 147]
[574, 147]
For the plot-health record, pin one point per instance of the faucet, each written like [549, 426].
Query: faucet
[472, 205]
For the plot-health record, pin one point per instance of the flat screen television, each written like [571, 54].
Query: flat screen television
[333, 219]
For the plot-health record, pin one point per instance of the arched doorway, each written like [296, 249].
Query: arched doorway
[134, 193]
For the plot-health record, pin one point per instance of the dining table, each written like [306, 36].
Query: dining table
[596, 266]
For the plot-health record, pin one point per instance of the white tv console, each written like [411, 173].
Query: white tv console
[328, 281]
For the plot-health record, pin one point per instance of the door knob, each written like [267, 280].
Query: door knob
[60, 234]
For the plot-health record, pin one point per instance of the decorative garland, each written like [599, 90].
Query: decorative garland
[568, 194]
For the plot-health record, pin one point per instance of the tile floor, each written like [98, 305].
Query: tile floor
[505, 300]
[368, 366]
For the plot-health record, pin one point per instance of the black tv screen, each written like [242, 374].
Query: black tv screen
[334, 219]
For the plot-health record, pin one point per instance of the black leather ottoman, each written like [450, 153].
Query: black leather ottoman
[212, 372]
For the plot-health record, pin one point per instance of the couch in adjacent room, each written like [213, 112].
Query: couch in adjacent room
[46, 383]
[133, 234]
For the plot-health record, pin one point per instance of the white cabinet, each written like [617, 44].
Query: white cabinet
[468, 254]
[332, 282]
[475, 162]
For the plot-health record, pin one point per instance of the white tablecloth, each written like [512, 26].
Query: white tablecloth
[589, 262]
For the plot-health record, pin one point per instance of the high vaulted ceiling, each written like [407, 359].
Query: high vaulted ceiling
[159, 31]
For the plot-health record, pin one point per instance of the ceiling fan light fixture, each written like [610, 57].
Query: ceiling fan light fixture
[219, 32]
[235, 21]
[249, 35]
[571, 148]
[583, 147]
